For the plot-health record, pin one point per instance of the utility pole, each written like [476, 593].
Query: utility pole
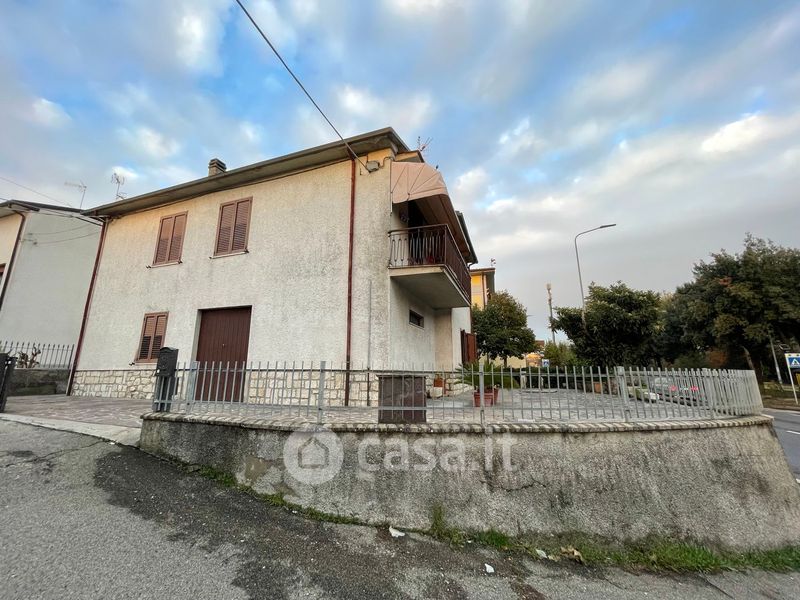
[777, 366]
[550, 305]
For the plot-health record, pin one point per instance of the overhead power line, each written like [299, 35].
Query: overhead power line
[25, 187]
[67, 239]
[297, 80]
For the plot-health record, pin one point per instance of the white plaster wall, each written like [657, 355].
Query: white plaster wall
[47, 287]
[294, 275]
[410, 346]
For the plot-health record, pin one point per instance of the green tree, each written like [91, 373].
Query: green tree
[620, 329]
[560, 354]
[737, 302]
[501, 328]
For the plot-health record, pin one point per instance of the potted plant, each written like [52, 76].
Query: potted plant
[489, 395]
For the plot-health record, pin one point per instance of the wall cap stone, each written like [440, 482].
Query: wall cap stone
[451, 428]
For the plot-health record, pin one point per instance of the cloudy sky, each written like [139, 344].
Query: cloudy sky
[679, 121]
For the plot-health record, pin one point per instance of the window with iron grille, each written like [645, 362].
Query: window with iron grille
[170, 239]
[233, 227]
[154, 328]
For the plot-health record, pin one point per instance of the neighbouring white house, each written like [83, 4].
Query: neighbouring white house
[47, 254]
[306, 257]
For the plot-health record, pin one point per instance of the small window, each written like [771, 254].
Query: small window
[416, 319]
[233, 227]
[170, 239]
[154, 328]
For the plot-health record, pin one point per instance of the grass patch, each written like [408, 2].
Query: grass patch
[277, 500]
[655, 554]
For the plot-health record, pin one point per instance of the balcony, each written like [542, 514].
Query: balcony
[427, 262]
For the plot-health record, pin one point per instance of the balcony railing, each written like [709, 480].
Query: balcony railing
[432, 245]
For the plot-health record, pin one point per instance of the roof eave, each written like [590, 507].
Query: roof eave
[269, 169]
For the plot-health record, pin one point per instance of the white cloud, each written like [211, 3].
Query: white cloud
[417, 8]
[199, 28]
[519, 139]
[48, 113]
[501, 206]
[471, 187]
[250, 131]
[406, 112]
[750, 131]
[617, 83]
[278, 28]
[150, 142]
[736, 135]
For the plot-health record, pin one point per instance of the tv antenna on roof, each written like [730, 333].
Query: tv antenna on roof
[81, 186]
[120, 181]
[422, 146]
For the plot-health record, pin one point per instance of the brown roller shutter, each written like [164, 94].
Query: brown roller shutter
[233, 227]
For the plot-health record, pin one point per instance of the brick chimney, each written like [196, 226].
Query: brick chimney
[215, 167]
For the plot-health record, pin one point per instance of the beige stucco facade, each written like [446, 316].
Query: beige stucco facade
[293, 275]
[46, 287]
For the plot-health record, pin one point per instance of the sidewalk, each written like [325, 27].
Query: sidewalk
[113, 419]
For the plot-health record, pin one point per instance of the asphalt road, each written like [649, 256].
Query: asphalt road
[787, 426]
[83, 518]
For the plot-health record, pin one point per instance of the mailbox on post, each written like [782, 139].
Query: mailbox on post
[166, 381]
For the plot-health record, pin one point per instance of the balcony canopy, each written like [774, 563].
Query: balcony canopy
[425, 185]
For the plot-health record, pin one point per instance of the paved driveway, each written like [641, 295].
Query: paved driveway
[122, 412]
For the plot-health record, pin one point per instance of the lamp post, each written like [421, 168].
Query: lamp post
[578, 260]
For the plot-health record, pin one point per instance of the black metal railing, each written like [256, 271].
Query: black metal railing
[36, 355]
[431, 245]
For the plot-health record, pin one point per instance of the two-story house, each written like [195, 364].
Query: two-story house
[46, 258]
[308, 256]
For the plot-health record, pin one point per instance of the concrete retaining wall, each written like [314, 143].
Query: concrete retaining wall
[720, 483]
[38, 382]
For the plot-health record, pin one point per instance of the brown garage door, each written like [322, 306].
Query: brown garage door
[222, 353]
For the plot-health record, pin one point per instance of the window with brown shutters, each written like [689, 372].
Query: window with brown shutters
[170, 239]
[154, 328]
[233, 227]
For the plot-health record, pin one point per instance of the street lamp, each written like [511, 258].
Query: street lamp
[577, 258]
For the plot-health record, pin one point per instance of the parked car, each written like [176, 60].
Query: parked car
[676, 391]
[643, 394]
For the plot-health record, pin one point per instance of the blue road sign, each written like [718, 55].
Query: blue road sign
[793, 360]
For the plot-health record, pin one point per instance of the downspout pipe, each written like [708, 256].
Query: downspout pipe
[350, 282]
[90, 293]
[10, 267]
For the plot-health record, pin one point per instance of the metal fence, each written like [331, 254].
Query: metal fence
[36, 355]
[316, 392]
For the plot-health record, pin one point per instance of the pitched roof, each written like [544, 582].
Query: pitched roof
[269, 169]
[8, 207]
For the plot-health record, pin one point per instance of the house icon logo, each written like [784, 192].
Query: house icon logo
[313, 456]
